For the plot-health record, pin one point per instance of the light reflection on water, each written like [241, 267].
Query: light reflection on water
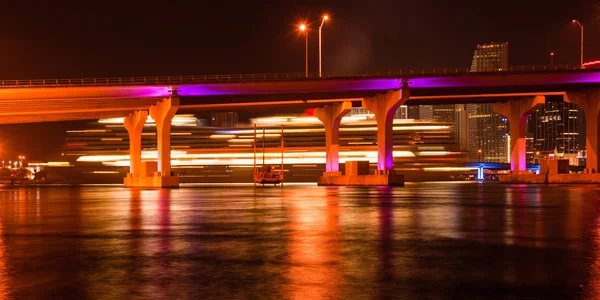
[430, 240]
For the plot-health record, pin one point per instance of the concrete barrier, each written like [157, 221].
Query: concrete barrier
[362, 180]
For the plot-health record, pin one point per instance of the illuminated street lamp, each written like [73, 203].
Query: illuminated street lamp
[581, 56]
[552, 58]
[325, 18]
[303, 28]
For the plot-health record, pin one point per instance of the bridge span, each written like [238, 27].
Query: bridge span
[515, 95]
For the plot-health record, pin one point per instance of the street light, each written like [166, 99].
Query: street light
[552, 58]
[325, 18]
[305, 30]
[581, 56]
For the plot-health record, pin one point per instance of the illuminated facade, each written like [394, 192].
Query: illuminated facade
[488, 133]
[487, 130]
[490, 58]
[462, 126]
[557, 125]
[401, 113]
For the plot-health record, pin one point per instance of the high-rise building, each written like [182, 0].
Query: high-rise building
[559, 126]
[413, 112]
[488, 133]
[490, 58]
[401, 113]
[426, 112]
[444, 112]
[487, 130]
[224, 119]
[462, 126]
[450, 113]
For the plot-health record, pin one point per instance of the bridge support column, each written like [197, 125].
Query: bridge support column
[134, 123]
[589, 100]
[162, 113]
[517, 111]
[331, 116]
[384, 106]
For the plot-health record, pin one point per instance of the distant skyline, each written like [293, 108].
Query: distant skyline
[68, 39]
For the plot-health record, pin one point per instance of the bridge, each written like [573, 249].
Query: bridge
[515, 93]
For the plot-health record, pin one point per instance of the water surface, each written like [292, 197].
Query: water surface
[422, 241]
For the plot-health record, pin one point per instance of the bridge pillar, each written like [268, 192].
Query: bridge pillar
[134, 123]
[163, 113]
[384, 106]
[517, 111]
[331, 116]
[589, 100]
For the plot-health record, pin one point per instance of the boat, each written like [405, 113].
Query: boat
[267, 175]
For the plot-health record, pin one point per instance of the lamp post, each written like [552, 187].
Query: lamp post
[305, 30]
[581, 55]
[325, 18]
[551, 58]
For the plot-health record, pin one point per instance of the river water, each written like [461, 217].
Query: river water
[422, 241]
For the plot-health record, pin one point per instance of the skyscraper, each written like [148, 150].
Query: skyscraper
[488, 133]
[557, 125]
[490, 58]
[401, 113]
[444, 113]
[487, 130]
[426, 112]
[462, 126]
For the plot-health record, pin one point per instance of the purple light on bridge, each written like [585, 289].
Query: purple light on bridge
[146, 91]
[505, 79]
[499, 79]
[274, 87]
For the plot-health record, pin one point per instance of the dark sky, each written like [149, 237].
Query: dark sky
[50, 39]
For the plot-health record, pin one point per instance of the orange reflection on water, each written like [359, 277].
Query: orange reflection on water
[314, 252]
[592, 290]
[4, 279]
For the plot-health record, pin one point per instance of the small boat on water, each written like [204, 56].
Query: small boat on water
[266, 175]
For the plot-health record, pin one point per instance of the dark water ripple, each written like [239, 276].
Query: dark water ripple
[422, 241]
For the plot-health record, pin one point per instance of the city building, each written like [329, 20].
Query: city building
[444, 113]
[490, 58]
[488, 134]
[557, 126]
[224, 119]
[450, 113]
[487, 130]
[425, 112]
[412, 112]
[401, 113]
[462, 126]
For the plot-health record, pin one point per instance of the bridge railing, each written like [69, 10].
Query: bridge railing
[167, 80]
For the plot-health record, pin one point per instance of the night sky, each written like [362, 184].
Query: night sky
[58, 39]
